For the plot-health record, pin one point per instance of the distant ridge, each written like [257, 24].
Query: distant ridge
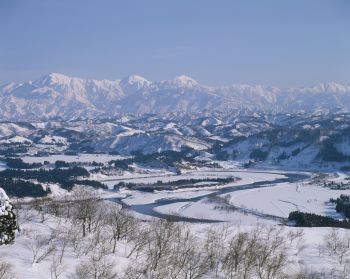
[59, 95]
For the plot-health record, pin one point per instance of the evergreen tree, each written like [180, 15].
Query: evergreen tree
[8, 221]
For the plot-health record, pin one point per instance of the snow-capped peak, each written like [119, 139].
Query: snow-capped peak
[185, 81]
[53, 78]
[71, 97]
[133, 80]
[331, 87]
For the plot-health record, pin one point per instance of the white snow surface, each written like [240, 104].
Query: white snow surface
[16, 139]
[286, 197]
[53, 140]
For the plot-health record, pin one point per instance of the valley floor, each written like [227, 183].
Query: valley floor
[256, 194]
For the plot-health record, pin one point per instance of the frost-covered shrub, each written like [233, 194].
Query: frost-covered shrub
[8, 222]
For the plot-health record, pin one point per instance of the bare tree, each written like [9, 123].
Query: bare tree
[56, 268]
[271, 254]
[41, 206]
[85, 207]
[95, 268]
[6, 270]
[138, 239]
[62, 237]
[260, 253]
[54, 208]
[40, 246]
[338, 245]
[239, 260]
[214, 246]
[121, 223]
[24, 215]
[163, 233]
[295, 236]
[74, 237]
[97, 244]
[171, 252]
[187, 258]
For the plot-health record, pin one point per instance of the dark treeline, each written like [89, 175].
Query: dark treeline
[303, 219]
[345, 168]
[165, 159]
[342, 205]
[336, 185]
[53, 175]
[168, 158]
[64, 164]
[328, 151]
[17, 163]
[17, 182]
[182, 183]
[121, 164]
[259, 155]
[21, 188]
[12, 151]
[93, 183]
[64, 177]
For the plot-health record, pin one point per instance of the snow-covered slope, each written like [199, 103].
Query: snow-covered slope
[16, 139]
[295, 140]
[57, 95]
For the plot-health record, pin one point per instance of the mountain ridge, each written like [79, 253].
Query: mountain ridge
[59, 95]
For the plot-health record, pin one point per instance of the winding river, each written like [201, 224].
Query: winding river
[149, 208]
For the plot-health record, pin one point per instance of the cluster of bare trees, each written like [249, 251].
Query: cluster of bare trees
[261, 253]
[94, 230]
[171, 250]
[167, 250]
[336, 245]
[6, 270]
[84, 225]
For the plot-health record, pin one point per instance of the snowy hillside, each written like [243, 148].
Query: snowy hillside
[298, 140]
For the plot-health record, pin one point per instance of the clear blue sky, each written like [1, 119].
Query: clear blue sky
[283, 43]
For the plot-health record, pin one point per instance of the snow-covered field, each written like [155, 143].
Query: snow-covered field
[286, 197]
[205, 210]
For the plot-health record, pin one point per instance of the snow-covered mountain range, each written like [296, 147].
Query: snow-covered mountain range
[56, 95]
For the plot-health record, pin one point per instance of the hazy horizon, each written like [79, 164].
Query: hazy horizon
[274, 43]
